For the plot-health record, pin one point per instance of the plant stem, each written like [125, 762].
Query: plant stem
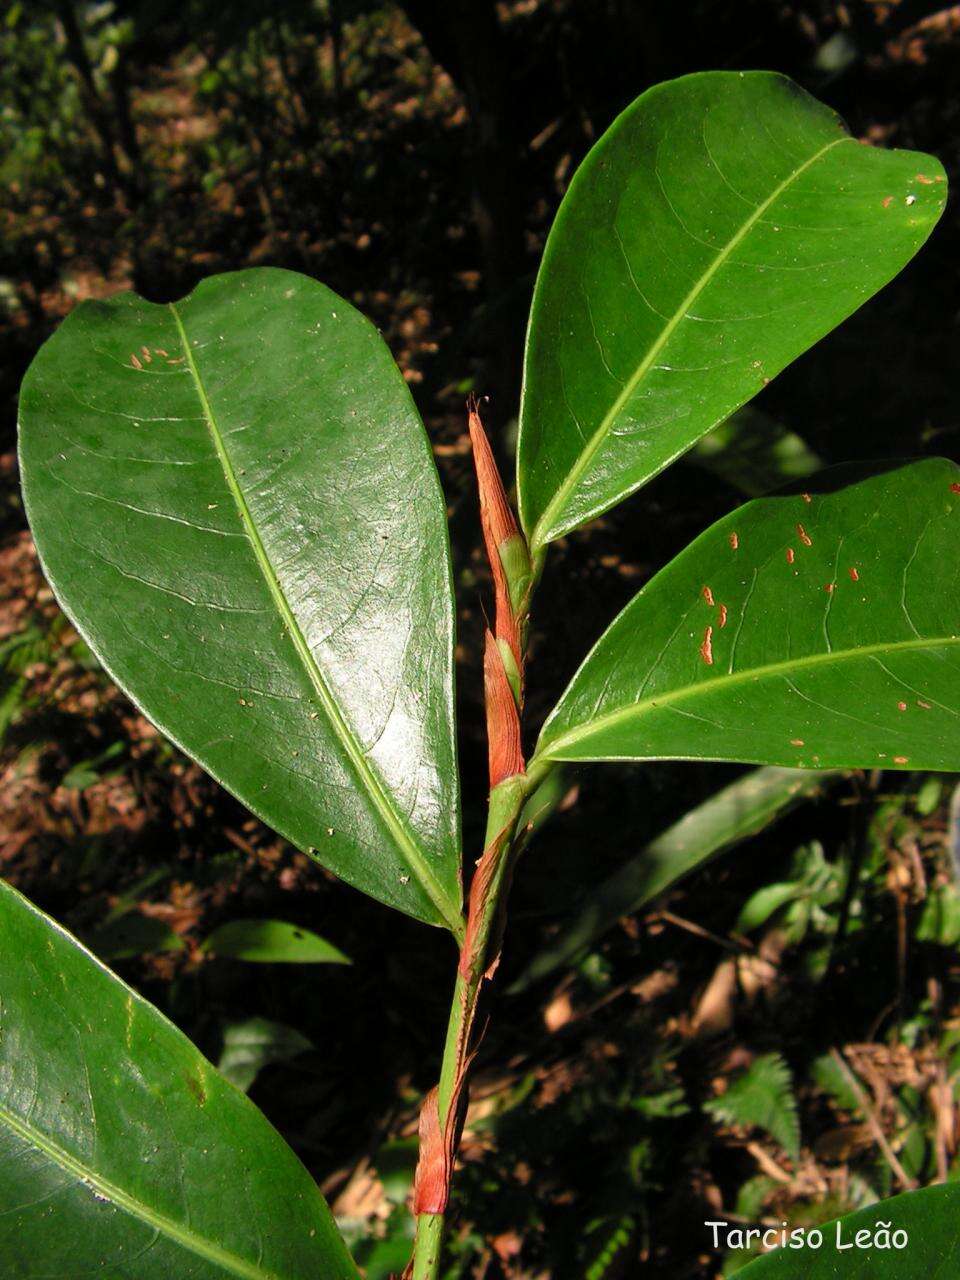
[501, 839]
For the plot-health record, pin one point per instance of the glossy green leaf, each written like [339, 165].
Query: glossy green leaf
[812, 630]
[929, 1218]
[723, 224]
[271, 942]
[235, 500]
[740, 810]
[255, 1043]
[123, 1153]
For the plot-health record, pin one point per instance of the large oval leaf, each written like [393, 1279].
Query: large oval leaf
[123, 1152]
[819, 630]
[722, 225]
[234, 499]
[861, 1245]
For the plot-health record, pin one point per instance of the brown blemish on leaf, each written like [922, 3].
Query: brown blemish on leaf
[926, 705]
[706, 648]
[804, 536]
[854, 574]
[135, 362]
[723, 616]
[955, 488]
[830, 588]
[734, 541]
[806, 497]
[927, 182]
[707, 595]
[796, 742]
[145, 352]
[888, 202]
[196, 1088]
[160, 352]
[176, 360]
[901, 759]
[901, 706]
[791, 555]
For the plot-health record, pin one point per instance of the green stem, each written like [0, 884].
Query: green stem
[506, 804]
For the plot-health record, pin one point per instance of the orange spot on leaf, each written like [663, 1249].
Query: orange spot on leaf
[734, 541]
[796, 742]
[791, 555]
[955, 488]
[854, 573]
[706, 649]
[926, 705]
[806, 497]
[135, 362]
[723, 615]
[901, 759]
[804, 536]
[830, 587]
[901, 706]
[707, 595]
[888, 201]
[922, 177]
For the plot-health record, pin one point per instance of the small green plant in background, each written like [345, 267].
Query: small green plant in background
[235, 501]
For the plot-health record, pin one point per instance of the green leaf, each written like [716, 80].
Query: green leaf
[760, 906]
[762, 1098]
[133, 934]
[740, 810]
[754, 453]
[930, 1218]
[122, 1151]
[235, 500]
[723, 224]
[271, 942]
[832, 639]
[251, 1045]
[940, 919]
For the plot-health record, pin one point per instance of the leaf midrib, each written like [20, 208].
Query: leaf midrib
[542, 533]
[202, 1247]
[367, 777]
[554, 750]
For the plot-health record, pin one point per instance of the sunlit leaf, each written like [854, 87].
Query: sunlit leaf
[271, 942]
[123, 1152]
[235, 501]
[723, 224]
[915, 1236]
[817, 629]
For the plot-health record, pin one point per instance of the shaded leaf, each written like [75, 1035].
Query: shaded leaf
[723, 224]
[738, 811]
[814, 630]
[122, 1151]
[271, 942]
[754, 453]
[255, 1043]
[133, 934]
[235, 500]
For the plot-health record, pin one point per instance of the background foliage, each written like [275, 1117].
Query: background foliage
[737, 1048]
